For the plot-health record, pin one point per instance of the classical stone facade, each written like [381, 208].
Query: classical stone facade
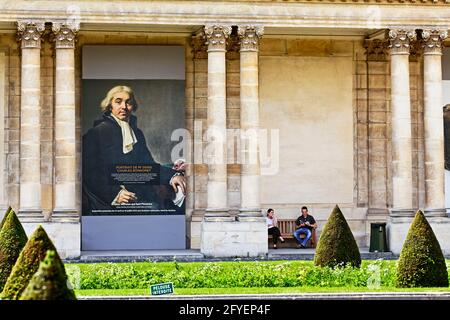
[352, 90]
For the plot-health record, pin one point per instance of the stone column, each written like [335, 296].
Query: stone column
[30, 126]
[401, 121]
[65, 147]
[216, 136]
[433, 123]
[250, 168]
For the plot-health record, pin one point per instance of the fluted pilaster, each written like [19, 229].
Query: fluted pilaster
[433, 122]
[65, 142]
[399, 47]
[249, 36]
[30, 37]
[216, 154]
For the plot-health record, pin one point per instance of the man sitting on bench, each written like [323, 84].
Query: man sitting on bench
[304, 224]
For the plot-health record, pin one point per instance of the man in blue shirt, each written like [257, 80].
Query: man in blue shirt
[304, 224]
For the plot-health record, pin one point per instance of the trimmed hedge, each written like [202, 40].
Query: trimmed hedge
[28, 263]
[421, 262]
[337, 246]
[49, 282]
[12, 240]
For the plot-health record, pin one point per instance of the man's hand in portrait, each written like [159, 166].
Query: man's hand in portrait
[179, 181]
[126, 196]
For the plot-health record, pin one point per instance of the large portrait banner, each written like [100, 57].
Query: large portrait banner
[132, 184]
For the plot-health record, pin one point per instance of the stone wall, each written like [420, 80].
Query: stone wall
[308, 101]
[11, 49]
[374, 131]
[275, 47]
[328, 49]
[3, 103]
[12, 119]
[371, 125]
[47, 113]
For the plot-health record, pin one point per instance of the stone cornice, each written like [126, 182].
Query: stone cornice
[358, 14]
[378, 2]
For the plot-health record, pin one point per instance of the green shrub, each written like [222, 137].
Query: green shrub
[49, 282]
[27, 264]
[337, 246]
[4, 217]
[227, 274]
[12, 240]
[421, 262]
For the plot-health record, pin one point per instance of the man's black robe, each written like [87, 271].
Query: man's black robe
[102, 149]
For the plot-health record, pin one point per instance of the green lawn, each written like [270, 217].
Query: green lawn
[264, 290]
[234, 277]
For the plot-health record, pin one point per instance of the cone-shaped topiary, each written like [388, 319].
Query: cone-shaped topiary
[421, 262]
[28, 263]
[12, 240]
[49, 282]
[4, 217]
[337, 246]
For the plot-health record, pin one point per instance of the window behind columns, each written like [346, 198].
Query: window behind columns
[447, 135]
[446, 101]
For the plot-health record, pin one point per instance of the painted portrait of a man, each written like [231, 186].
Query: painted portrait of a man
[115, 139]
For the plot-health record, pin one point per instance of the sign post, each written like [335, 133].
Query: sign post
[161, 288]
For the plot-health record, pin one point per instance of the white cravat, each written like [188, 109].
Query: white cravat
[128, 136]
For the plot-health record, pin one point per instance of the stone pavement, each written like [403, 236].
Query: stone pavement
[293, 296]
[191, 255]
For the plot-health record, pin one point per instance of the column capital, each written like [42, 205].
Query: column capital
[199, 48]
[65, 35]
[216, 36]
[30, 33]
[376, 49]
[400, 40]
[233, 47]
[432, 41]
[249, 36]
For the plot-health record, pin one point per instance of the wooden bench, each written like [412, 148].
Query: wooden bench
[287, 228]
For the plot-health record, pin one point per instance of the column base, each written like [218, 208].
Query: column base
[252, 219]
[249, 212]
[31, 215]
[441, 212]
[402, 213]
[217, 212]
[217, 218]
[65, 215]
[234, 239]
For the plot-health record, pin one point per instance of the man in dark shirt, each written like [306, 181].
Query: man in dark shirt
[304, 224]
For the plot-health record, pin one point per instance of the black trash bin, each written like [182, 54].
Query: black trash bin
[378, 241]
